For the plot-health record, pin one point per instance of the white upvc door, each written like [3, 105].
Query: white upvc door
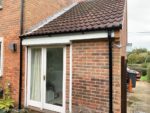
[34, 90]
[47, 78]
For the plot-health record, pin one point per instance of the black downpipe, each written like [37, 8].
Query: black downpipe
[110, 73]
[21, 32]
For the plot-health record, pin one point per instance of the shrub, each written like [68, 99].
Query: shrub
[1, 91]
[143, 78]
[7, 103]
[144, 65]
[140, 68]
[144, 71]
[148, 73]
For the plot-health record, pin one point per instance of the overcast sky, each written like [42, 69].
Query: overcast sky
[139, 23]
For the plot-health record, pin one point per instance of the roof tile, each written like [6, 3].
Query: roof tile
[86, 15]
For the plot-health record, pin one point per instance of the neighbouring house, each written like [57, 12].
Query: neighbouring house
[71, 62]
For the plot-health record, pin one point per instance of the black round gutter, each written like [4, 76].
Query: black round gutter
[21, 32]
[110, 72]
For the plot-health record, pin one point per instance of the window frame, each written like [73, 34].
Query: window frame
[1, 63]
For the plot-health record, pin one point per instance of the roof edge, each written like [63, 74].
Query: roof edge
[80, 31]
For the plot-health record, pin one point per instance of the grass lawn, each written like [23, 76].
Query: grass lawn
[144, 78]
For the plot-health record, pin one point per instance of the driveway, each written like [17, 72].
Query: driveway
[139, 100]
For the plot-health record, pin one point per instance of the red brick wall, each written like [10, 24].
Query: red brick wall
[9, 31]
[123, 33]
[91, 77]
[35, 11]
[67, 76]
[117, 79]
[90, 61]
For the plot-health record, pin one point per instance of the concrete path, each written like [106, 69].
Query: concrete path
[139, 100]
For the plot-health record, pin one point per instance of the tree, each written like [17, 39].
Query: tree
[132, 58]
[148, 73]
[140, 50]
[139, 56]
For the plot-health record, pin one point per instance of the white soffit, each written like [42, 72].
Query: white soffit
[63, 39]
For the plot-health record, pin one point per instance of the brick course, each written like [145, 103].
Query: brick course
[91, 77]
[9, 31]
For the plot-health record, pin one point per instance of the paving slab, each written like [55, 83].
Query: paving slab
[139, 100]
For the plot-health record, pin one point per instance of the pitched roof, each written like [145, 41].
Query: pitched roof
[86, 16]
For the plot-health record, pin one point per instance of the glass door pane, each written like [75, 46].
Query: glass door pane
[54, 76]
[35, 81]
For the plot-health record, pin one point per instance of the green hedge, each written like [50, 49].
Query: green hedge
[140, 68]
[148, 73]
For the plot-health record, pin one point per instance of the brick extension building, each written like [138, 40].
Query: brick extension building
[66, 56]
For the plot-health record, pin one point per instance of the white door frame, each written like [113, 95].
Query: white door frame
[31, 102]
[42, 104]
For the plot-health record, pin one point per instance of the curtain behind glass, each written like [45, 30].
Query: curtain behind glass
[35, 74]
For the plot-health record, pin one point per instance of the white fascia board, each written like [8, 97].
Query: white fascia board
[64, 39]
[44, 41]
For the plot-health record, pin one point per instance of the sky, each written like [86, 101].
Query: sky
[139, 23]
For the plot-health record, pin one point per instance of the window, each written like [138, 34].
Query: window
[1, 56]
[0, 4]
